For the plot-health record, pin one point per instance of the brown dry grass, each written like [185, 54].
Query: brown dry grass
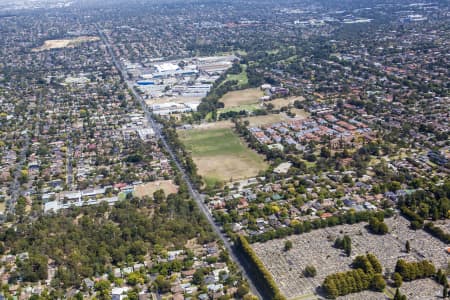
[177, 99]
[220, 155]
[56, 44]
[267, 119]
[215, 125]
[228, 167]
[147, 189]
[282, 102]
[242, 97]
[275, 118]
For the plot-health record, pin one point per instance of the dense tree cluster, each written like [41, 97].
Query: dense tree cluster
[366, 275]
[368, 263]
[83, 242]
[415, 270]
[377, 226]
[431, 202]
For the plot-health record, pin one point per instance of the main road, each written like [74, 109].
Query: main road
[192, 191]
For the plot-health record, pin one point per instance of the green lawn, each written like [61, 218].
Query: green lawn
[207, 142]
[241, 78]
[220, 155]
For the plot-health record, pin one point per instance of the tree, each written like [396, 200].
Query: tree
[242, 290]
[162, 284]
[407, 247]
[198, 277]
[376, 265]
[310, 271]
[378, 283]
[135, 278]
[159, 196]
[287, 245]
[103, 289]
[398, 280]
[445, 292]
[399, 296]
[344, 244]
[377, 227]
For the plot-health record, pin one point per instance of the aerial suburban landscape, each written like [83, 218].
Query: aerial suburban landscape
[229, 149]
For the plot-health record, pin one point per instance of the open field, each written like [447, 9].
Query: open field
[242, 97]
[56, 44]
[246, 107]
[316, 248]
[177, 99]
[215, 125]
[147, 189]
[220, 155]
[273, 118]
[300, 113]
[281, 102]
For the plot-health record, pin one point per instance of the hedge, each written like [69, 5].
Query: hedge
[437, 232]
[260, 271]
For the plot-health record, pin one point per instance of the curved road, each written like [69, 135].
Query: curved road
[192, 191]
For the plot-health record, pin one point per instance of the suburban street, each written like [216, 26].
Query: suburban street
[193, 192]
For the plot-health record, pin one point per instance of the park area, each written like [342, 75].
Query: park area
[220, 155]
[241, 78]
[56, 44]
[316, 248]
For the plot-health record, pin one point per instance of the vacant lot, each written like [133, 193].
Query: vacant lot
[281, 102]
[242, 97]
[147, 189]
[55, 44]
[274, 118]
[215, 125]
[221, 155]
[176, 99]
[316, 248]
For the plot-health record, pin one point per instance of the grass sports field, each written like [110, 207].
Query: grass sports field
[220, 155]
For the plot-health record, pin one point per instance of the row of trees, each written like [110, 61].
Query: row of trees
[366, 275]
[413, 217]
[415, 270]
[307, 226]
[182, 154]
[437, 232]
[261, 275]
